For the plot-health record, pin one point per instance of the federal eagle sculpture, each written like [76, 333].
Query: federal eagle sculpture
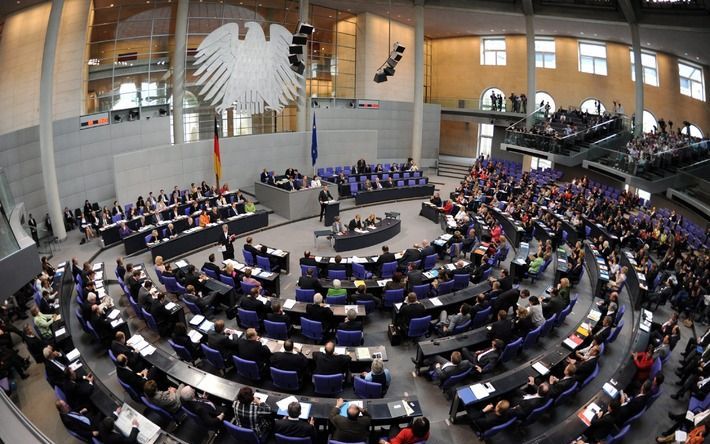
[251, 75]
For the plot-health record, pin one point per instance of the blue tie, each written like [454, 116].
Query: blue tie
[80, 417]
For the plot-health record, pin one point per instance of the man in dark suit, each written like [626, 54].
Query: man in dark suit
[134, 282]
[553, 306]
[427, 249]
[226, 242]
[289, 359]
[204, 303]
[633, 406]
[170, 231]
[506, 282]
[210, 265]
[145, 298]
[351, 322]
[328, 363]
[414, 277]
[308, 259]
[502, 328]
[586, 367]
[323, 197]
[119, 347]
[481, 304]
[484, 360]
[410, 255]
[308, 282]
[136, 379]
[294, 427]
[249, 246]
[319, 313]
[77, 422]
[251, 349]
[489, 416]
[411, 309]
[250, 302]
[442, 369]
[530, 402]
[194, 278]
[211, 413]
[506, 299]
[605, 423]
[559, 385]
[163, 317]
[277, 315]
[361, 294]
[385, 257]
[338, 264]
[222, 340]
[54, 364]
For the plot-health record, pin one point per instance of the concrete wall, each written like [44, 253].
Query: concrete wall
[393, 123]
[373, 48]
[243, 158]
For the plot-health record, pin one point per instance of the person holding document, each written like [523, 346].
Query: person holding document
[323, 197]
[226, 242]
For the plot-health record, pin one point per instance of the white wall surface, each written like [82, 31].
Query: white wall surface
[69, 69]
[373, 48]
[21, 49]
[243, 158]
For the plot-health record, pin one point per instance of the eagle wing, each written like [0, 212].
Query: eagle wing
[217, 57]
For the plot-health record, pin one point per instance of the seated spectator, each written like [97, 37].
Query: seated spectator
[210, 412]
[336, 290]
[251, 413]
[490, 416]
[448, 323]
[76, 421]
[166, 399]
[290, 359]
[294, 427]
[379, 374]
[222, 339]
[252, 303]
[361, 294]
[351, 322]
[355, 427]
[411, 309]
[523, 322]
[277, 315]
[417, 432]
[502, 328]
[180, 337]
[250, 348]
[309, 282]
[442, 369]
[328, 362]
[318, 312]
[484, 360]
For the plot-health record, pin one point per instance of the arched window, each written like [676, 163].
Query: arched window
[542, 96]
[590, 106]
[694, 131]
[486, 103]
[649, 122]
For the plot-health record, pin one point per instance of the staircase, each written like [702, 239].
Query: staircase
[453, 167]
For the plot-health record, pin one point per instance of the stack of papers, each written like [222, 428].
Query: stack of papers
[170, 305]
[573, 341]
[363, 353]
[148, 432]
[610, 389]
[181, 263]
[116, 322]
[383, 282]
[60, 332]
[195, 336]
[283, 407]
[137, 342]
[197, 320]
[145, 351]
[262, 299]
[97, 266]
[541, 368]
[481, 391]
[113, 314]
[588, 414]
[289, 303]
[436, 302]
[206, 326]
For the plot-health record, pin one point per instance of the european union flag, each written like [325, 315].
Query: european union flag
[314, 143]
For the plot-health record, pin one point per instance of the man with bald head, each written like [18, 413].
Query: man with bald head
[354, 427]
[329, 363]
[251, 349]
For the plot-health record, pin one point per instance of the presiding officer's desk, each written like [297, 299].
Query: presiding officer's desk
[512, 228]
[360, 178]
[568, 429]
[293, 205]
[196, 237]
[395, 193]
[384, 230]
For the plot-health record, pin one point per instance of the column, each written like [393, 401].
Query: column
[302, 102]
[46, 122]
[179, 56]
[638, 72]
[532, 90]
[418, 115]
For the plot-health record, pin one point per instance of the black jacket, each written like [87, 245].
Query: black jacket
[295, 429]
[330, 364]
[409, 312]
[310, 283]
[324, 315]
[294, 362]
[503, 330]
[253, 351]
[222, 344]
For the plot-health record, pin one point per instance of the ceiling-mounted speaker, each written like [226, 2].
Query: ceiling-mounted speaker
[299, 39]
[304, 28]
[295, 49]
[388, 68]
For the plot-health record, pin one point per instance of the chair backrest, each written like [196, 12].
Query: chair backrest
[149, 319]
[59, 393]
[132, 393]
[400, 183]
[460, 328]
[305, 295]
[263, 262]
[241, 434]
[591, 376]
[146, 238]
[454, 380]
[134, 305]
[510, 350]
[532, 417]
[157, 409]
[248, 257]
[211, 273]
[112, 356]
[366, 389]
[422, 291]
[276, 330]
[283, 439]
[619, 314]
[353, 188]
[181, 351]
[341, 299]
[246, 368]
[562, 315]
[635, 417]
[388, 269]
[461, 281]
[194, 308]
[159, 274]
[655, 368]
[547, 326]
[430, 261]
[229, 280]
[615, 333]
[446, 287]
[493, 430]
[337, 274]
[81, 320]
[348, 338]
[480, 317]
[328, 384]
[393, 297]
[248, 318]
[285, 379]
[213, 356]
[170, 284]
[619, 437]
[246, 287]
[360, 272]
[455, 249]
[305, 268]
[312, 329]
[531, 338]
[566, 394]
[418, 327]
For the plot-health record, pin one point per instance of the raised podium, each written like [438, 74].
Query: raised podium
[332, 209]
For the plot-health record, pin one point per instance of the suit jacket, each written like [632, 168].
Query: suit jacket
[310, 283]
[117, 438]
[414, 278]
[506, 299]
[337, 227]
[330, 364]
[354, 224]
[603, 427]
[295, 428]
[487, 359]
[410, 255]
[384, 259]
[212, 267]
[585, 368]
[222, 343]
[554, 306]
[489, 420]
[145, 299]
[294, 362]
[76, 425]
[348, 430]
[206, 410]
[503, 330]
[128, 376]
[526, 406]
[324, 315]
[122, 349]
[275, 317]
[350, 326]
[427, 251]
[632, 407]
[444, 372]
[310, 261]
[560, 386]
[324, 196]
[253, 304]
[408, 312]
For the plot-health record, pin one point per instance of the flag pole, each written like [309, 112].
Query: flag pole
[217, 161]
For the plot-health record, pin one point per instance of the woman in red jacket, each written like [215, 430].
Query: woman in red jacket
[417, 432]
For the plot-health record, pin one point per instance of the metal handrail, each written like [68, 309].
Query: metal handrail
[590, 128]
[512, 125]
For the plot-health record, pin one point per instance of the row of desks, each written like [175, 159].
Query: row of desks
[352, 240]
[397, 193]
[513, 230]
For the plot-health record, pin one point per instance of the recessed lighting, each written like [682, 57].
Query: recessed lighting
[492, 30]
[581, 32]
[685, 53]
[595, 34]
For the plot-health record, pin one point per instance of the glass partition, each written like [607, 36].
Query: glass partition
[652, 165]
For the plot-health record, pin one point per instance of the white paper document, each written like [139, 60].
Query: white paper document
[540, 368]
[289, 303]
[148, 432]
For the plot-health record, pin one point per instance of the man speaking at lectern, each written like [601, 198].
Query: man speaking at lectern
[323, 197]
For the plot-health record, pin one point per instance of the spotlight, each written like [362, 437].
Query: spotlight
[293, 59]
[398, 48]
[304, 28]
[380, 76]
[388, 68]
[295, 49]
[298, 68]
